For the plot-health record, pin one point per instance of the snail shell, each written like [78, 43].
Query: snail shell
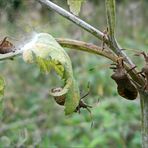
[59, 99]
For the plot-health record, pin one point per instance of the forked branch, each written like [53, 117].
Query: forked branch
[97, 33]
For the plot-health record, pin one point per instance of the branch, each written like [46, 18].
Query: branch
[74, 19]
[111, 25]
[100, 35]
[10, 55]
[77, 45]
[86, 47]
[91, 48]
[112, 45]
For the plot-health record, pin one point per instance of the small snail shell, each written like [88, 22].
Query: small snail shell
[59, 99]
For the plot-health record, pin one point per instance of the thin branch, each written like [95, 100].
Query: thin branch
[10, 55]
[77, 45]
[73, 18]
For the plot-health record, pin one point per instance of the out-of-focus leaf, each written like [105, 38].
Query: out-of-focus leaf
[2, 87]
[23, 136]
[45, 51]
[5, 141]
[111, 18]
[75, 6]
[100, 90]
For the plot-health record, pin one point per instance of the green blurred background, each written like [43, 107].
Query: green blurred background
[31, 118]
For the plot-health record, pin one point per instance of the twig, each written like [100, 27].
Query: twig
[73, 18]
[77, 45]
[87, 47]
[10, 55]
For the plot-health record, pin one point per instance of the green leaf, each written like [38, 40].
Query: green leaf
[43, 64]
[75, 6]
[45, 51]
[111, 18]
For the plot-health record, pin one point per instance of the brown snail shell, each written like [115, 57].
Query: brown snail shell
[59, 99]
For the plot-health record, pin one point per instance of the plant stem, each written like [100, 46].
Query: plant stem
[68, 43]
[82, 46]
[10, 55]
[73, 18]
[86, 47]
[144, 116]
[97, 33]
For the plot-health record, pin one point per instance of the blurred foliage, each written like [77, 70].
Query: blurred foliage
[31, 117]
[116, 124]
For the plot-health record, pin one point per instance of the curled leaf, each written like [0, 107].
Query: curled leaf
[48, 54]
